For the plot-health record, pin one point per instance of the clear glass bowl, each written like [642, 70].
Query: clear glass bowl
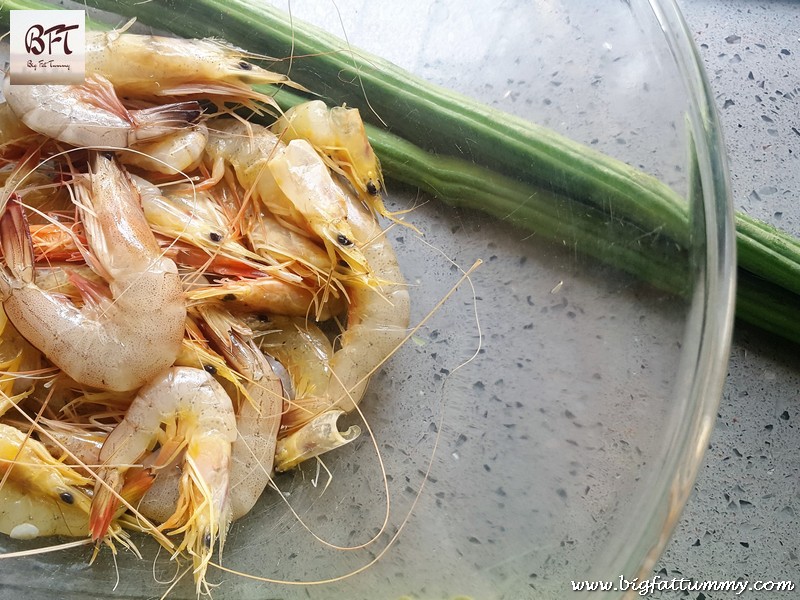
[546, 422]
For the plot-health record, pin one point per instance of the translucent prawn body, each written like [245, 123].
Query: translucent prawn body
[145, 66]
[174, 153]
[377, 318]
[92, 115]
[338, 134]
[260, 408]
[124, 334]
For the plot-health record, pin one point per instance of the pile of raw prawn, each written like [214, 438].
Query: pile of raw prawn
[190, 300]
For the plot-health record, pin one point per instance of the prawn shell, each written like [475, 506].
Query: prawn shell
[151, 66]
[91, 114]
[115, 343]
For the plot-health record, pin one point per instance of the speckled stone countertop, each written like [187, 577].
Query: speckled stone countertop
[743, 519]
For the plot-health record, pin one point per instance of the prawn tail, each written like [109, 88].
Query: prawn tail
[316, 437]
[158, 121]
[104, 504]
[137, 483]
[17, 248]
[146, 123]
[100, 93]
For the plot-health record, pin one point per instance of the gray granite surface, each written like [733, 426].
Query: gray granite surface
[743, 519]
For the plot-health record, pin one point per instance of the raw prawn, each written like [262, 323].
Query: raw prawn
[377, 318]
[116, 343]
[198, 417]
[308, 427]
[246, 147]
[163, 491]
[306, 181]
[196, 217]
[92, 115]
[259, 415]
[305, 352]
[270, 238]
[377, 322]
[149, 66]
[291, 180]
[339, 136]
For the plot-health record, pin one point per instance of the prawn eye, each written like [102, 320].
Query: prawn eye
[215, 237]
[344, 240]
[210, 369]
[229, 297]
[207, 540]
[66, 497]
[245, 66]
[372, 188]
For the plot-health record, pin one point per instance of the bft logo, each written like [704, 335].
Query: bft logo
[47, 47]
[39, 40]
